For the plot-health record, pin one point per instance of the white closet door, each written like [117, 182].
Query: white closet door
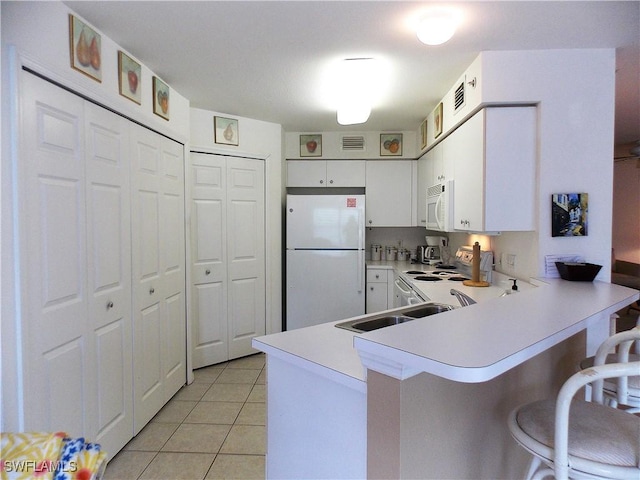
[52, 215]
[109, 276]
[172, 262]
[246, 258]
[157, 221]
[209, 259]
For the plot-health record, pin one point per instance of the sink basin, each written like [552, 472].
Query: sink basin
[426, 310]
[376, 323]
[387, 320]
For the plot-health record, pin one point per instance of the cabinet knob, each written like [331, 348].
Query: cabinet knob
[321, 182]
[377, 276]
[371, 288]
[109, 305]
[330, 181]
[370, 222]
[207, 271]
[152, 291]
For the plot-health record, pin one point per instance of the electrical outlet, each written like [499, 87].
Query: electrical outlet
[511, 260]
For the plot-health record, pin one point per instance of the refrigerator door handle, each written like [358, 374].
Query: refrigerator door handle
[360, 271]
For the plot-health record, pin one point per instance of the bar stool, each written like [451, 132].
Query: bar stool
[573, 438]
[625, 390]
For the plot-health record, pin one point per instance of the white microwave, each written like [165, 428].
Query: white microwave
[440, 207]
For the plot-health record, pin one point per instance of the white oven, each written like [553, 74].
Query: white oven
[440, 207]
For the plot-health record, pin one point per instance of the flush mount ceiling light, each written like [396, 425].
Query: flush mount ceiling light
[355, 92]
[437, 26]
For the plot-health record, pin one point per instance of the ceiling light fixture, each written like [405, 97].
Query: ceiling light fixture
[355, 94]
[437, 26]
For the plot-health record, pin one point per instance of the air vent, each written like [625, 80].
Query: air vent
[458, 99]
[353, 143]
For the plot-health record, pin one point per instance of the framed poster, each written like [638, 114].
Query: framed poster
[390, 144]
[129, 74]
[311, 145]
[160, 98]
[569, 214]
[85, 46]
[225, 130]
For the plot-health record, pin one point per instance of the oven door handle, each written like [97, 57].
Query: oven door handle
[399, 285]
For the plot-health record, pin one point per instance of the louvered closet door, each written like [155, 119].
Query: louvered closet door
[246, 257]
[209, 259]
[158, 272]
[52, 215]
[109, 276]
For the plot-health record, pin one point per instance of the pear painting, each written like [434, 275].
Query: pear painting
[85, 45]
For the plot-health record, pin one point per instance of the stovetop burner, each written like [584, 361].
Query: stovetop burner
[447, 267]
[414, 272]
[457, 279]
[424, 278]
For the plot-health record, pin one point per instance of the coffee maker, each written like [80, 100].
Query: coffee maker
[433, 251]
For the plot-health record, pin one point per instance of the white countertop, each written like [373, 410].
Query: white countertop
[479, 342]
[469, 344]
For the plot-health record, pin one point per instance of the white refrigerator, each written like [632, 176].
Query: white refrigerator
[325, 259]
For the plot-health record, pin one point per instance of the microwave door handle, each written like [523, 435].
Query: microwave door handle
[438, 222]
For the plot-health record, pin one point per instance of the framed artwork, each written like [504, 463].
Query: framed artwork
[437, 121]
[85, 47]
[225, 130]
[569, 214]
[423, 134]
[160, 98]
[311, 145]
[390, 144]
[129, 74]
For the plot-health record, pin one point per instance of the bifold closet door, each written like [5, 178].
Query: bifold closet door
[74, 222]
[157, 175]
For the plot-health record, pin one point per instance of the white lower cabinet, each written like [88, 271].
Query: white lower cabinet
[87, 239]
[227, 256]
[494, 155]
[389, 193]
[379, 289]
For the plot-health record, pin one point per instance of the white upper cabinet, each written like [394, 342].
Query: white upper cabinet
[325, 173]
[389, 193]
[494, 169]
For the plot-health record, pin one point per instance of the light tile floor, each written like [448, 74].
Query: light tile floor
[211, 429]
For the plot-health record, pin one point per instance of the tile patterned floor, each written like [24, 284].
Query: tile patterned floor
[211, 429]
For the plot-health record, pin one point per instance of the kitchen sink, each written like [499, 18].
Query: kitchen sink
[387, 320]
[426, 310]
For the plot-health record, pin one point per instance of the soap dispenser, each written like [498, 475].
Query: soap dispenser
[514, 287]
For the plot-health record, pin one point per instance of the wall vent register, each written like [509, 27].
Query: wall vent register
[353, 142]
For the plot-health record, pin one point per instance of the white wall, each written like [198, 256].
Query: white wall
[256, 139]
[574, 90]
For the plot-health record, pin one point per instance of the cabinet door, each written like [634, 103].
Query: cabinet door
[306, 173]
[158, 271]
[109, 276]
[346, 173]
[389, 193]
[423, 179]
[209, 259]
[465, 147]
[52, 216]
[246, 259]
[376, 297]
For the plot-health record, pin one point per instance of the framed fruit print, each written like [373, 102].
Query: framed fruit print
[437, 121]
[225, 130]
[311, 145]
[129, 74]
[160, 98]
[85, 48]
[390, 144]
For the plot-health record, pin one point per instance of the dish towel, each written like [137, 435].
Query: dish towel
[49, 456]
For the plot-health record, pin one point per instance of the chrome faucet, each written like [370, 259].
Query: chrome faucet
[464, 299]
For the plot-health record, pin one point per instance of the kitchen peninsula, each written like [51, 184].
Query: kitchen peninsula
[427, 398]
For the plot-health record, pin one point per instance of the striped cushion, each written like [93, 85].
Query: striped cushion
[596, 433]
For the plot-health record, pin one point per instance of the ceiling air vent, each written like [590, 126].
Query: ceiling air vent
[458, 98]
[353, 143]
